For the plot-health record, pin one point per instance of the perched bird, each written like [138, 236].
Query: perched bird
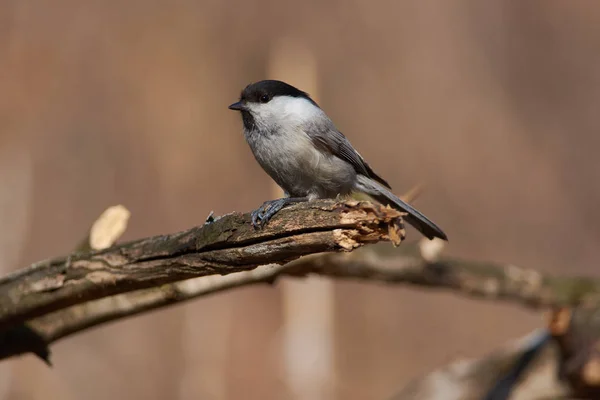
[300, 148]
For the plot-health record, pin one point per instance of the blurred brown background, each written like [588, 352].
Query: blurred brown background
[492, 104]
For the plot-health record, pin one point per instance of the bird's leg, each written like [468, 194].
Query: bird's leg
[264, 213]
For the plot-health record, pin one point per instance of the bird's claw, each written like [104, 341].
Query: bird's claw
[262, 215]
[257, 217]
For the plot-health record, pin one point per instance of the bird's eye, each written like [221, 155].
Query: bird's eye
[264, 98]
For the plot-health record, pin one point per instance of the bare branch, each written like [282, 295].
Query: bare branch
[230, 244]
[576, 333]
[559, 362]
[523, 369]
[383, 264]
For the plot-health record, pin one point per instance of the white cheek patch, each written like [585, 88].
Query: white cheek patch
[296, 108]
[285, 111]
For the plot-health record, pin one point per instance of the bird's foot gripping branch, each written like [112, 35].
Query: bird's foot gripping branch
[61, 296]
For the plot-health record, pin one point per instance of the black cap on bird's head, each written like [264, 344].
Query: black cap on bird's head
[265, 91]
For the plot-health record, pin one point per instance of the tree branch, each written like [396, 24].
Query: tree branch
[559, 362]
[414, 264]
[227, 245]
[86, 289]
[522, 369]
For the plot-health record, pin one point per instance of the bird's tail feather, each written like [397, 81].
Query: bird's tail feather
[414, 217]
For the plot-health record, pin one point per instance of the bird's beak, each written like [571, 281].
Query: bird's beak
[237, 106]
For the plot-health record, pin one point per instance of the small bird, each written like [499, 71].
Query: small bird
[300, 148]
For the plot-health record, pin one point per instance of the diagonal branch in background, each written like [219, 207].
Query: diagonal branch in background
[229, 244]
[561, 361]
[521, 369]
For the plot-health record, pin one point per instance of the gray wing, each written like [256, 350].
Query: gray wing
[331, 140]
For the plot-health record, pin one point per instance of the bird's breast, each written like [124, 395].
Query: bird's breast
[292, 160]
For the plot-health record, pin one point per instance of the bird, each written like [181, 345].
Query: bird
[301, 149]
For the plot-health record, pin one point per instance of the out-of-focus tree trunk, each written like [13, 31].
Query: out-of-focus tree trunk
[307, 332]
